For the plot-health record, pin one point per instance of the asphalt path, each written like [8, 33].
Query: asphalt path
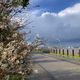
[57, 68]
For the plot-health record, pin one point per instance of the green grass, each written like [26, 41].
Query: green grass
[65, 55]
[15, 77]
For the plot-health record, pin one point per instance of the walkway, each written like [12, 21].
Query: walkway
[55, 68]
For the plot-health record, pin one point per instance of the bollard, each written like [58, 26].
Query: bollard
[67, 52]
[79, 52]
[72, 52]
[63, 51]
[56, 51]
[50, 50]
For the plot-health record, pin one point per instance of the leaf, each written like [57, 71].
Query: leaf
[23, 3]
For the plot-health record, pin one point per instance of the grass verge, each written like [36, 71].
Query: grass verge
[66, 56]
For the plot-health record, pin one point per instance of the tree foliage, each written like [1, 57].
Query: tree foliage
[14, 51]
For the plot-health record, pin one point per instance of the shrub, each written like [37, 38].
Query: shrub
[14, 51]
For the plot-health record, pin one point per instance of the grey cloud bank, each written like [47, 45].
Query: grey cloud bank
[55, 27]
[64, 25]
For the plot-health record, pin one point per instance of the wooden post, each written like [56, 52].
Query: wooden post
[56, 51]
[63, 51]
[72, 52]
[79, 52]
[67, 52]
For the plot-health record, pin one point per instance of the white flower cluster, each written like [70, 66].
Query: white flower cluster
[14, 51]
[15, 58]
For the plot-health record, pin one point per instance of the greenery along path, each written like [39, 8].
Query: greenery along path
[60, 69]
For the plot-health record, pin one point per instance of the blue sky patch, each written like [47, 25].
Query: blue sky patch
[52, 5]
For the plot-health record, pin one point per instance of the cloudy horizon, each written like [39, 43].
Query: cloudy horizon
[54, 20]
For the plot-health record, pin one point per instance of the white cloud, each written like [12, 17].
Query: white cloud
[64, 25]
[71, 10]
[48, 14]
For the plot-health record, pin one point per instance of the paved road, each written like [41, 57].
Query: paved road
[60, 69]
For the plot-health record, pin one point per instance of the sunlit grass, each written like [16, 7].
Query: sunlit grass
[66, 56]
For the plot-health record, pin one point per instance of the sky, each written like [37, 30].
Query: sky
[52, 5]
[55, 20]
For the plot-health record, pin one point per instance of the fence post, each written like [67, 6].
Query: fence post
[63, 51]
[67, 52]
[56, 51]
[72, 52]
[79, 52]
[59, 51]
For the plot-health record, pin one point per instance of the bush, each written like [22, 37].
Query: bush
[14, 51]
[15, 77]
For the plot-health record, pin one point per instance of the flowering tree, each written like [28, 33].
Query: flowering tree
[14, 51]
